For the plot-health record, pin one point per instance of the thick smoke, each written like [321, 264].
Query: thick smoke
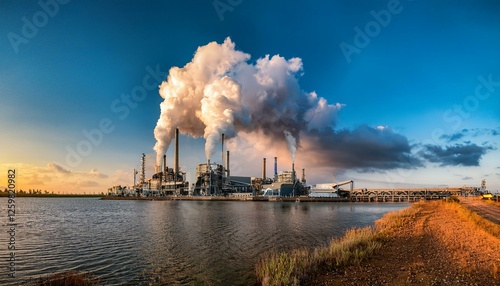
[220, 91]
[291, 143]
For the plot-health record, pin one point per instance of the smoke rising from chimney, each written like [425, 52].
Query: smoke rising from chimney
[291, 143]
[221, 92]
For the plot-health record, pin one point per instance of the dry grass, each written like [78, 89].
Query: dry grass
[393, 221]
[290, 268]
[357, 245]
[71, 278]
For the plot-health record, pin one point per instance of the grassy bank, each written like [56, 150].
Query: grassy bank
[358, 245]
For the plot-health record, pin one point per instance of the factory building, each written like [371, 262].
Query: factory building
[169, 181]
[284, 184]
[165, 181]
[242, 184]
[214, 179]
[210, 180]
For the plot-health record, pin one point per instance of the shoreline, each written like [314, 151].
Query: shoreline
[23, 195]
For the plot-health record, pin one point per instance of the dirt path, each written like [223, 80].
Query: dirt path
[436, 248]
[490, 211]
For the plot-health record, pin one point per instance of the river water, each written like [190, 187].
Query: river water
[167, 242]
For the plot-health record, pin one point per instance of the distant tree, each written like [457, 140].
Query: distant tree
[29, 191]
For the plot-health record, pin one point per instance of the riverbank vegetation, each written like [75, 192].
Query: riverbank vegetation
[421, 239]
[290, 268]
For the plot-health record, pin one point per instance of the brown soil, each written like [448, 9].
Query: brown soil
[436, 248]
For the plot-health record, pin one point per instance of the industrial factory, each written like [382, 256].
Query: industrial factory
[212, 179]
[215, 181]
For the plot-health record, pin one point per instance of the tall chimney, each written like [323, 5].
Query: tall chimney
[176, 152]
[293, 172]
[227, 163]
[165, 163]
[304, 176]
[264, 169]
[275, 168]
[135, 173]
[142, 176]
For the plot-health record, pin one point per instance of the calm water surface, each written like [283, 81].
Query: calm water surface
[168, 242]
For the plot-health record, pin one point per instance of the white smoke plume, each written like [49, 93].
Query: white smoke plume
[220, 91]
[291, 143]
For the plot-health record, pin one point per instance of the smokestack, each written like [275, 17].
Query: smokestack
[293, 172]
[304, 176]
[264, 169]
[135, 173]
[142, 177]
[165, 163]
[275, 168]
[176, 152]
[227, 163]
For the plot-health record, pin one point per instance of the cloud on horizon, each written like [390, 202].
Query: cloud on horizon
[454, 155]
[58, 169]
[474, 132]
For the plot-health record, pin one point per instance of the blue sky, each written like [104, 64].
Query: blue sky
[418, 76]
